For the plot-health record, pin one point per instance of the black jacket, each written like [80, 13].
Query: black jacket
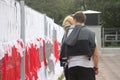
[81, 41]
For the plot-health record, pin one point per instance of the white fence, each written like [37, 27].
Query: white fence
[9, 21]
[111, 37]
[37, 26]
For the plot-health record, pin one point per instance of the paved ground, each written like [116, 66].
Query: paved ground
[109, 67]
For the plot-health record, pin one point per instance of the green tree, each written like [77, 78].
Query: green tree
[58, 9]
[111, 15]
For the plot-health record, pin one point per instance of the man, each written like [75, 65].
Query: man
[81, 50]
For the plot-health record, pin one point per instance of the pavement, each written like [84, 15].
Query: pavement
[109, 67]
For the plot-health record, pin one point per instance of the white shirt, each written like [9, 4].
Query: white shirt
[70, 30]
[81, 60]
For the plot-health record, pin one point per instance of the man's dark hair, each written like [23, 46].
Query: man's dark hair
[80, 17]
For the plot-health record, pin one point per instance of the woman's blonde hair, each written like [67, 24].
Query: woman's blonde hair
[68, 19]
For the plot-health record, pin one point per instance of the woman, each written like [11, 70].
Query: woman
[67, 23]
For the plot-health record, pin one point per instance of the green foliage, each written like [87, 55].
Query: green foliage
[111, 15]
[61, 77]
[58, 9]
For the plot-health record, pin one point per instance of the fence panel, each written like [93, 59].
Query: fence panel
[43, 38]
[111, 37]
[10, 21]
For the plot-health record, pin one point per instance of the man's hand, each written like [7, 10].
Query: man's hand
[96, 70]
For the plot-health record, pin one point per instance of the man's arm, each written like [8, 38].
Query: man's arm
[96, 59]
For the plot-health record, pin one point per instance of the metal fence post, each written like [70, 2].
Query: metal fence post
[45, 25]
[103, 37]
[22, 11]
